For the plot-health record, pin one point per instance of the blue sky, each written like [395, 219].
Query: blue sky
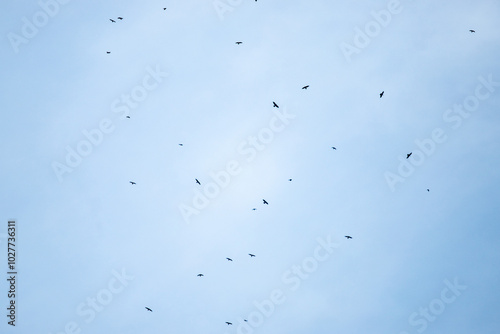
[94, 250]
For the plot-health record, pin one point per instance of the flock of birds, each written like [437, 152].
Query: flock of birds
[275, 105]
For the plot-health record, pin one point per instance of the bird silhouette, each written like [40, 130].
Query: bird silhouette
[197, 181]
[238, 43]
[408, 155]
[472, 30]
[164, 8]
[200, 275]
[275, 105]
[150, 310]
[120, 18]
[108, 52]
[229, 259]
[289, 179]
[128, 117]
[131, 182]
[428, 190]
[334, 148]
[348, 237]
[251, 255]
[245, 320]
[305, 87]
[112, 20]
[181, 144]
[265, 202]
[254, 209]
[229, 323]
[382, 94]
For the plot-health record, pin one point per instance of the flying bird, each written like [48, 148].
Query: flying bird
[275, 105]
[181, 144]
[305, 87]
[229, 259]
[472, 30]
[200, 275]
[197, 181]
[165, 8]
[428, 190]
[245, 320]
[348, 237]
[334, 148]
[238, 43]
[128, 117]
[229, 323]
[265, 202]
[108, 52]
[112, 20]
[254, 209]
[150, 310]
[382, 94]
[251, 255]
[131, 182]
[120, 18]
[290, 180]
[408, 155]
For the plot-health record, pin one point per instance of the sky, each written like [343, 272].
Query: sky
[93, 250]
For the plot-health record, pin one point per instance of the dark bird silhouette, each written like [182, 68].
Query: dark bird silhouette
[131, 182]
[108, 52]
[275, 105]
[245, 320]
[472, 30]
[229, 323]
[348, 237]
[254, 209]
[251, 255]
[120, 18]
[200, 275]
[382, 94]
[197, 181]
[334, 148]
[265, 202]
[408, 155]
[128, 116]
[165, 8]
[112, 20]
[305, 87]
[229, 259]
[428, 190]
[181, 144]
[238, 43]
[290, 180]
[150, 310]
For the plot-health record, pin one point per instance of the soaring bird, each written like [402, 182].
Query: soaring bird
[348, 237]
[382, 94]
[245, 320]
[472, 30]
[112, 20]
[131, 182]
[265, 202]
[305, 87]
[108, 52]
[238, 43]
[408, 155]
[251, 255]
[334, 148]
[200, 275]
[197, 181]
[289, 179]
[428, 190]
[120, 18]
[181, 144]
[150, 310]
[229, 259]
[229, 323]
[128, 117]
[275, 105]
[164, 8]
[254, 209]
